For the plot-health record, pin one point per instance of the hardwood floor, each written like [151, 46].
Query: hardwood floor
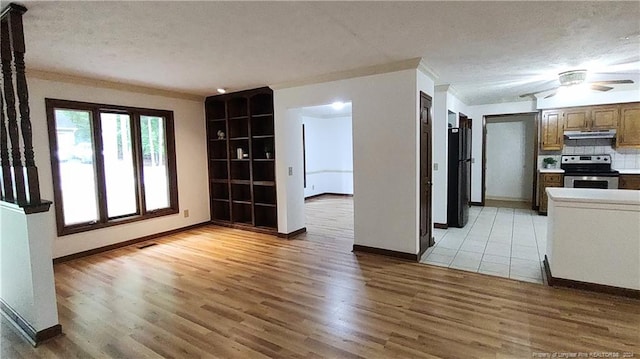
[329, 217]
[224, 293]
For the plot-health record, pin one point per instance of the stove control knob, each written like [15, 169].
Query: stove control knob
[597, 158]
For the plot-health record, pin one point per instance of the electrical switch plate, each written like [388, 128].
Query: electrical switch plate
[290, 171]
[435, 166]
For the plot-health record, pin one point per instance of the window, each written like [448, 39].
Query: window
[111, 164]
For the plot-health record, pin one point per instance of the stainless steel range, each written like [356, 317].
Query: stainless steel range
[592, 171]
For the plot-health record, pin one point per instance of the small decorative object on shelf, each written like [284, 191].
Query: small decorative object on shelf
[220, 135]
[245, 155]
[549, 162]
[268, 152]
[240, 152]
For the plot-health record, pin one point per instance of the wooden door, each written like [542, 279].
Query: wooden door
[604, 117]
[576, 119]
[426, 239]
[629, 127]
[552, 129]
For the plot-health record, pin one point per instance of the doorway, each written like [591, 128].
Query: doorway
[426, 238]
[327, 150]
[509, 153]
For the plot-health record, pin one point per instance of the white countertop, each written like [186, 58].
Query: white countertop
[551, 170]
[629, 171]
[588, 195]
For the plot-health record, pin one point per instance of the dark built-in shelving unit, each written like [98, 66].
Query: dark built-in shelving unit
[242, 189]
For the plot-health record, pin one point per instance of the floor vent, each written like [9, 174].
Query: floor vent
[147, 245]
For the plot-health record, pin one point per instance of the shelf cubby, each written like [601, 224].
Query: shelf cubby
[262, 125]
[240, 170]
[218, 170]
[264, 171]
[261, 104]
[241, 192]
[216, 110]
[237, 107]
[242, 213]
[218, 149]
[266, 216]
[220, 191]
[264, 194]
[220, 210]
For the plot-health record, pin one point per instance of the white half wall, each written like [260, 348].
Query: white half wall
[385, 154]
[329, 154]
[27, 283]
[191, 152]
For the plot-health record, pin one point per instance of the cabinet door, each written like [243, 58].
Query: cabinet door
[551, 130]
[630, 182]
[629, 126]
[604, 117]
[576, 119]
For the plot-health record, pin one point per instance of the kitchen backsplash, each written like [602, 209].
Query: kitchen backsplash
[622, 158]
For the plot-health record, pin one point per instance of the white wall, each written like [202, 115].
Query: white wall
[477, 113]
[510, 147]
[589, 98]
[329, 152]
[385, 153]
[190, 157]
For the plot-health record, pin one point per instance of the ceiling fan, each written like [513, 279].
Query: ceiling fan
[578, 77]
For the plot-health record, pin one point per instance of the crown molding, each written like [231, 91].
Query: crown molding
[427, 70]
[113, 85]
[353, 73]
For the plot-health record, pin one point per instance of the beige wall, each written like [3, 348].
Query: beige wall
[190, 157]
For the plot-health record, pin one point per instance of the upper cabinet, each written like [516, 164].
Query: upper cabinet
[551, 130]
[590, 118]
[576, 119]
[624, 118]
[604, 117]
[629, 126]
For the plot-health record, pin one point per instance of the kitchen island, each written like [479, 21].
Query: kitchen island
[593, 239]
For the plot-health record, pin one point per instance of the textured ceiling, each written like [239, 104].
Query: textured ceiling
[489, 51]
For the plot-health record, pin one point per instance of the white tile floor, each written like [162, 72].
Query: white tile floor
[504, 242]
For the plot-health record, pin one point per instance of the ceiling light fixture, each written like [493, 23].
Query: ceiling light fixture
[573, 77]
[337, 105]
[221, 90]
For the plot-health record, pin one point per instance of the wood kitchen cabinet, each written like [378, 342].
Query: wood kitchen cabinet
[548, 180]
[551, 130]
[576, 119]
[629, 182]
[629, 126]
[604, 117]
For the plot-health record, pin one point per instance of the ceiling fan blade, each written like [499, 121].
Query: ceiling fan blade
[537, 92]
[612, 82]
[551, 94]
[600, 87]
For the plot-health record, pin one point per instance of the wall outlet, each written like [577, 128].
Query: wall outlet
[186, 213]
[290, 171]
[435, 166]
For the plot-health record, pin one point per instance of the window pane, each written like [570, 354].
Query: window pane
[154, 154]
[75, 161]
[119, 173]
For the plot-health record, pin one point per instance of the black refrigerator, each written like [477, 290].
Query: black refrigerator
[459, 177]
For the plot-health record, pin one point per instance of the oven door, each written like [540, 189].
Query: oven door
[591, 182]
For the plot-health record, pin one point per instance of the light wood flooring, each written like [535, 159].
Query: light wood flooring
[224, 293]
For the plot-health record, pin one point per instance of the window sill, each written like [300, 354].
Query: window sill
[86, 227]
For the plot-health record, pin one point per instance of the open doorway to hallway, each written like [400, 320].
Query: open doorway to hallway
[509, 166]
[327, 142]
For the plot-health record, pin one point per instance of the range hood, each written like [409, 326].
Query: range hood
[584, 135]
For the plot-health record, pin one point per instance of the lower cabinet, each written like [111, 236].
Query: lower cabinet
[548, 180]
[629, 182]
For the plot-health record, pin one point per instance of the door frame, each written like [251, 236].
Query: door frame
[535, 153]
[425, 163]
